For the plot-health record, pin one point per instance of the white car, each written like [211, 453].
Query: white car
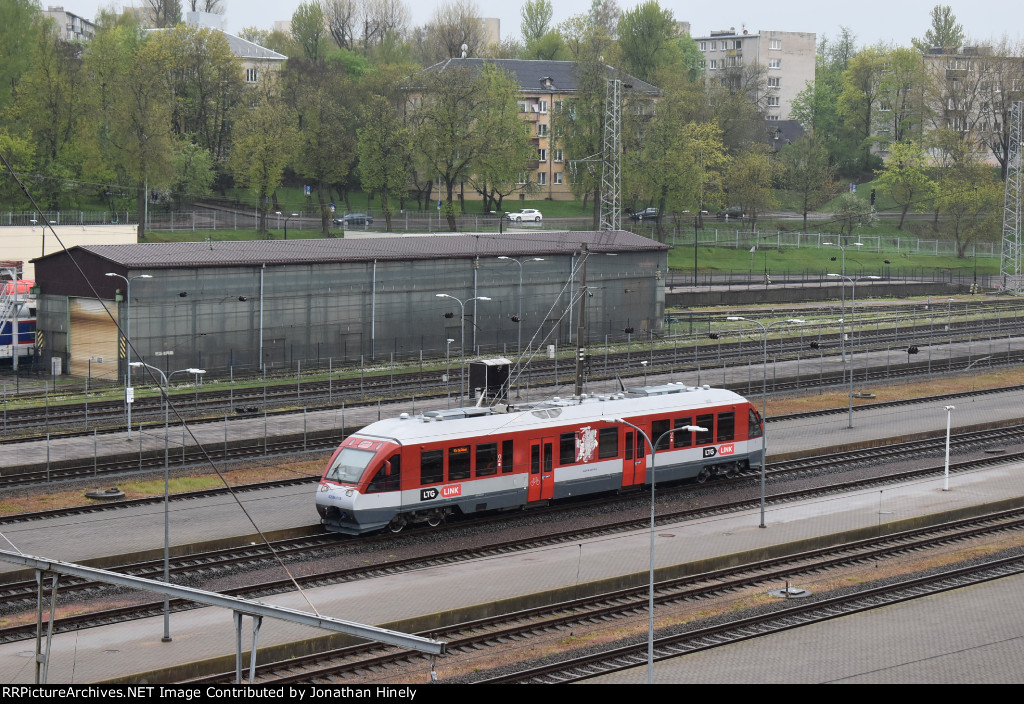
[528, 214]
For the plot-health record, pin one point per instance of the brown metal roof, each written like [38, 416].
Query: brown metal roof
[284, 252]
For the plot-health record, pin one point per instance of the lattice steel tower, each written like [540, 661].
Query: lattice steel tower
[1010, 264]
[611, 172]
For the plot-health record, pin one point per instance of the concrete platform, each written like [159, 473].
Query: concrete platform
[430, 597]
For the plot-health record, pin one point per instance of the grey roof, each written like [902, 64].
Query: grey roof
[241, 48]
[531, 74]
[284, 252]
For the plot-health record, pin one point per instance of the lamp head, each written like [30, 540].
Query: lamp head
[949, 408]
[734, 318]
[192, 370]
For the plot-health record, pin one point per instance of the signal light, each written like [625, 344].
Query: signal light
[449, 314]
[912, 349]
[814, 344]
[514, 318]
[831, 259]
[628, 331]
[713, 335]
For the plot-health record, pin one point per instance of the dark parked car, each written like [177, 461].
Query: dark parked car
[733, 211]
[645, 214]
[353, 219]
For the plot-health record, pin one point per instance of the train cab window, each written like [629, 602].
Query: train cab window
[708, 423]
[458, 463]
[659, 428]
[431, 466]
[726, 427]
[683, 439]
[567, 448]
[486, 460]
[506, 460]
[388, 477]
[754, 428]
[349, 465]
[607, 443]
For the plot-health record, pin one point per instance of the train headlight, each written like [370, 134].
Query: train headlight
[324, 487]
[349, 492]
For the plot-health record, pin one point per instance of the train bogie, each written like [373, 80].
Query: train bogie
[423, 470]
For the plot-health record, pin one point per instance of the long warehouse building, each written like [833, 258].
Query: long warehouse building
[273, 304]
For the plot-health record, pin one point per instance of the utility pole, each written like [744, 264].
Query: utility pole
[581, 330]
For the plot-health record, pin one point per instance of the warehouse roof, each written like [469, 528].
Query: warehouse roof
[284, 252]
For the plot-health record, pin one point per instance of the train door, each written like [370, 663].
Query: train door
[634, 462]
[542, 475]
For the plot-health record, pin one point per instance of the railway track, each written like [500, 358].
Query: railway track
[23, 594]
[683, 355]
[494, 634]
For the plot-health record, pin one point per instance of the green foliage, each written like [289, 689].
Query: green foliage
[852, 212]
[808, 172]
[194, 170]
[649, 42]
[904, 177]
[944, 32]
[309, 30]
[385, 151]
[18, 20]
[749, 181]
[536, 19]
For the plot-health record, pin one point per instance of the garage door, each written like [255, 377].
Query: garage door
[93, 336]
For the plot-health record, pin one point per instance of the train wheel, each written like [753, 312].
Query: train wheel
[703, 476]
[732, 471]
[397, 524]
[434, 518]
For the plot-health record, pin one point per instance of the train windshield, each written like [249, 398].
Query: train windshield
[349, 465]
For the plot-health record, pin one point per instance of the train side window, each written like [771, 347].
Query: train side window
[659, 428]
[726, 426]
[388, 477]
[507, 459]
[535, 459]
[607, 443]
[683, 439]
[431, 466]
[486, 459]
[753, 424]
[567, 448]
[708, 423]
[458, 463]
[629, 444]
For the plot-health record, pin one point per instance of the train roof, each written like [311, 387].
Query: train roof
[477, 421]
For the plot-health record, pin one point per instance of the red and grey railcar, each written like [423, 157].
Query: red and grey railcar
[408, 470]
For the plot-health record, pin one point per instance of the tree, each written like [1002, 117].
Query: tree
[851, 212]
[308, 29]
[970, 199]
[901, 96]
[860, 97]
[323, 94]
[453, 25]
[945, 31]
[263, 144]
[18, 21]
[749, 181]
[385, 150]
[163, 13]
[383, 19]
[213, 6]
[194, 171]
[342, 17]
[808, 172]
[505, 149]
[536, 19]
[648, 41]
[904, 177]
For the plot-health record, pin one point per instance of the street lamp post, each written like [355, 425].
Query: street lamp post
[650, 598]
[842, 330]
[462, 329]
[286, 219]
[853, 309]
[764, 392]
[519, 315]
[949, 414]
[447, 381]
[128, 338]
[167, 515]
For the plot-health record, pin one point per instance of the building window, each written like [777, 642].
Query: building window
[544, 106]
[712, 64]
[558, 156]
[775, 44]
[542, 130]
[703, 46]
[558, 178]
[559, 105]
[250, 75]
[773, 117]
[739, 45]
[774, 63]
[542, 155]
[524, 178]
[774, 82]
[542, 178]
[773, 101]
[523, 107]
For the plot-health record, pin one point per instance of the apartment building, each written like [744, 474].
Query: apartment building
[544, 86]
[787, 59]
[72, 27]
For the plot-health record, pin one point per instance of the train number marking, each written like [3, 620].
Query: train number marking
[710, 452]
